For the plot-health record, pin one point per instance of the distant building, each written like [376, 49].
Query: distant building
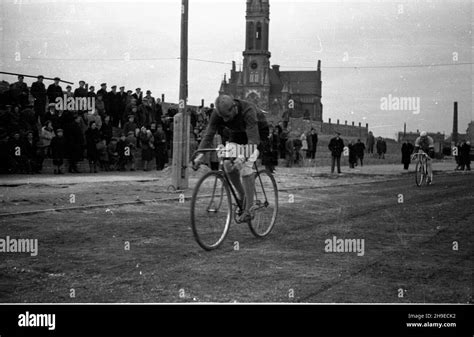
[269, 88]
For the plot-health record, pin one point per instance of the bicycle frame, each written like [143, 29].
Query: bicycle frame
[227, 179]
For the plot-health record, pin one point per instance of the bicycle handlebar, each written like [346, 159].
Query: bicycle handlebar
[420, 153]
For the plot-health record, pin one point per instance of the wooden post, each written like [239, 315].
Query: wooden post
[181, 120]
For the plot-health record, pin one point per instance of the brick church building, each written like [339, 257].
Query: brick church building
[269, 87]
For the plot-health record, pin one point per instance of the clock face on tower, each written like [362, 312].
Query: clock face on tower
[254, 65]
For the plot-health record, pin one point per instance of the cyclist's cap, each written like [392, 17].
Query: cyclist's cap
[423, 133]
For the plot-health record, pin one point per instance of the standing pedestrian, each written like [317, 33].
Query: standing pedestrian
[336, 146]
[407, 150]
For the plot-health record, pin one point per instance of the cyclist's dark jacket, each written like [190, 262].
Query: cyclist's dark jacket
[243, 127]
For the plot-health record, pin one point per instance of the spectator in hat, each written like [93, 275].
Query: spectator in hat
[144, 113]
[147, 146]
[103, 91]
[88, 118]
[82, 90]
[131, 143]
[106, 129]
[19, 92]
[57, 118]
[100, 105]
[381, 146]
[28, 122]
[58, 150]
[113, 153]
[138, 95]
[359, 149]
[132, 104]
[312, 145]
[129, 97]
[103, 155]
[46, 135]
[150, 98]
[91, 92]
[336, 146]
[114, 106]
[69, 92]
[122, 99]
[465, 154]
[159, 138]
[130, 125]
[38, 91]
[54, 91]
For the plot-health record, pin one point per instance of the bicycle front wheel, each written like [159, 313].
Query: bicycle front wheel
[419, 173]
[265, 204]
[211, 209]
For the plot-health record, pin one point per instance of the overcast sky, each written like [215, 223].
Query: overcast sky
[136, 44]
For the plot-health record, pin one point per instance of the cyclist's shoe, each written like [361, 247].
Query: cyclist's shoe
[429, 181]
[247, 216]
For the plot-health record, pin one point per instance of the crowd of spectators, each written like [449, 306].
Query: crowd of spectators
[121, 125]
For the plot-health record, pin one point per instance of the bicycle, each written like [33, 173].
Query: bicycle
[421, 168]
[214, 200]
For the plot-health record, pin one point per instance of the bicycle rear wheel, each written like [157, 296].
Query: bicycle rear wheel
[419, 173]
[265, 204]
[211, 209]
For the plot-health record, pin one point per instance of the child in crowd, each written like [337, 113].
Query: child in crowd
[58, 150]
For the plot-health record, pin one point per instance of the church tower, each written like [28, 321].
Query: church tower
[256, 63]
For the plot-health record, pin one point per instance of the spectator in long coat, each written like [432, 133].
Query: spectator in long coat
[370, 142]
[19, 92]
[290, 152]
[106, 130]
[58, 150]
[359, 149]
[33, 162]
[465, 155]
[407, 150]
[114, 106]
[74, 143]
[103, 92]
[270, 150]
[380, 148]
[122, 100]
[312, 139]
[352, 155]
[38, 91]
[336, 146]
[81, 91]
[54, 91]
[159, 139]
[92, 138]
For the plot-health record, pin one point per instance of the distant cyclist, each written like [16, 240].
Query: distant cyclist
[426, 143]
[241, 119]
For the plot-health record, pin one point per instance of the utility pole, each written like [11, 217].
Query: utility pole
[181, 120]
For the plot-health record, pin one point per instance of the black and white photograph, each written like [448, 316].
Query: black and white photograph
[236, 154]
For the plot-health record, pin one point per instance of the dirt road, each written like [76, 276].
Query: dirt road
[417, 246]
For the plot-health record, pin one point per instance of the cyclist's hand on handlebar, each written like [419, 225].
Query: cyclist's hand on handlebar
[238, 163]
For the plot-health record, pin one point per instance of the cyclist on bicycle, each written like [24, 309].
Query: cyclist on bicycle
[426, 144]
[240, 117]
